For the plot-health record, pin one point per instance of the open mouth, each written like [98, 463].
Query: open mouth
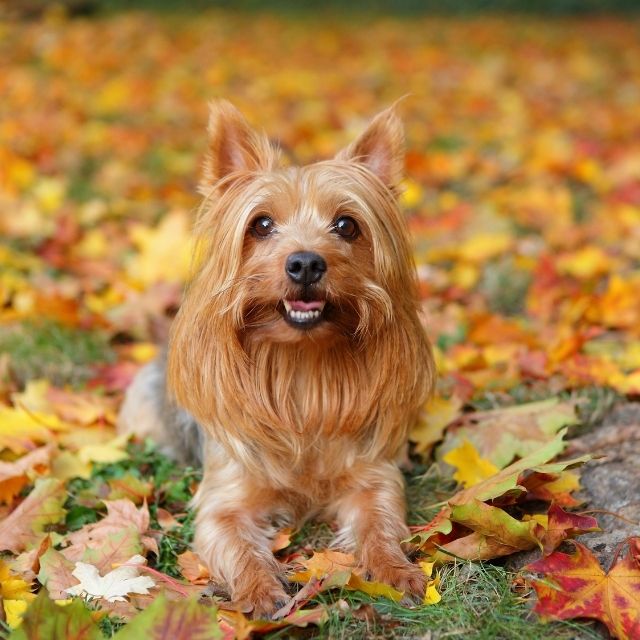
[303, 314]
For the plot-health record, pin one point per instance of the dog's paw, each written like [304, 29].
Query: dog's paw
[406, 577]
[263, 598]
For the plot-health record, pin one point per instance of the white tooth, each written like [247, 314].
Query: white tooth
[316, 314]
[287, 305]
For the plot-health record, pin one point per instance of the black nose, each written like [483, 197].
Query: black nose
[305, 267]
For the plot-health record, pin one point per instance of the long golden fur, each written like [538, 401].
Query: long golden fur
[298, 421]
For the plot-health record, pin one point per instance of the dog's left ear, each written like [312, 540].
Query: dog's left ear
[380, 148]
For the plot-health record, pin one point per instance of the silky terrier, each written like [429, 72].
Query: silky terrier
[297, 362]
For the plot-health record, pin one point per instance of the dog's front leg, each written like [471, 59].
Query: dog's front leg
[371, 514]
[233, 537]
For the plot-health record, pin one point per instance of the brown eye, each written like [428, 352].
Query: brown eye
[262, 226]
[346, 228]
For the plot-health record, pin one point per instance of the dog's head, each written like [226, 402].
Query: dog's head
[293, 254]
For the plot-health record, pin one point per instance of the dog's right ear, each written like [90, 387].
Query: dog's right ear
[234, 148]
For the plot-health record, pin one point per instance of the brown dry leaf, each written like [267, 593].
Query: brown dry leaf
[192, 568]
[25, 526]
[112, 540]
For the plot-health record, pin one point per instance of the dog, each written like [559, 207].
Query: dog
[297, 361]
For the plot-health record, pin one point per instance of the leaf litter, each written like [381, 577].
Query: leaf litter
[526, 240]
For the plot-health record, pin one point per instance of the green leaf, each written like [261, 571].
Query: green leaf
[496, 523]
[178, 620]
[507, 480]
[46, 620]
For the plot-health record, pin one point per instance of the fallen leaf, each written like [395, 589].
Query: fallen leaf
[112, 451]
[25, 525]
[431, 595]
[15, 475]
[440, 524]
[44, 619]
[56, 574]
[562, 525]
[438, 414]
[114, 586]
[507, 480]
[500, 435]
[16, 595]
[470, 467]
[575, 586]
[179, 620]
[192, 568]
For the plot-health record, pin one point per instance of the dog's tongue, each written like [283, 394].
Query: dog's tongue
[301, 305]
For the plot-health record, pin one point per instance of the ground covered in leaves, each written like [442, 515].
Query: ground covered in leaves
[523, 197]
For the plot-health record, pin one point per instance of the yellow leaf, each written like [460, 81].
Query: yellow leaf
[34, 397]
[568, 482]
[412, 194]
[16, 595]
[470, 467]
[112, 451]
[67, 465]
[541, 518]
[14, 610]
[437, 415]
[484, 246]
[143, 352]
[585, 263]
[464, 275]
[431, 595]
[19, 430]
[375, 589]
[164, 252]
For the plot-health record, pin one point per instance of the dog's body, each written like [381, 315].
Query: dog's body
[299, 350]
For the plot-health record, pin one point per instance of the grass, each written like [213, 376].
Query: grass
[62, 355]
[477, 603]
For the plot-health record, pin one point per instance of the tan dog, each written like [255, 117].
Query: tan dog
[299, 351]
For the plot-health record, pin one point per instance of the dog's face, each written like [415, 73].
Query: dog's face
[294, 254]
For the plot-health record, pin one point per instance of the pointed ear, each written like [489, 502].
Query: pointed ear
[233, 146]
[380, 148]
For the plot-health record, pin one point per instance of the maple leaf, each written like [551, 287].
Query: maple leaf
[44, 619]
[25, 525]
[114, 585]
[113, 539]
[470, 467]
[179, 620]
[561, 525]
[56, 574]
[575, 586]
